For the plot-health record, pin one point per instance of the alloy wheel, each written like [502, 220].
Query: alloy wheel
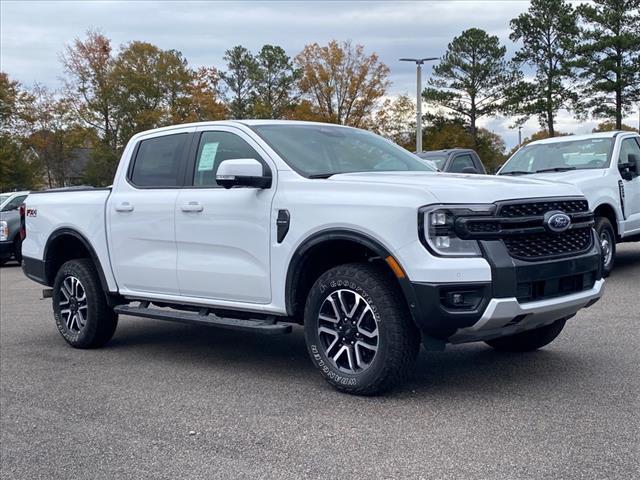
[348, 331]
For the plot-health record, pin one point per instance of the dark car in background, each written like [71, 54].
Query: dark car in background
[455, 160]
[10, 240]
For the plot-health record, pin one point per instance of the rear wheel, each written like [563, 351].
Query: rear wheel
[607, 238]
[79, 305]
[529, 340]
[359, 330]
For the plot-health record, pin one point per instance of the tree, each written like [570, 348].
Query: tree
[548, 32]
[239, 78]
[396, 120]
[90, 85]
[609, 57]
[341, 82]
[443, 133]
[18, 167]
[152, 87]
[203, 101]
[471, 78]
[610, 126]
[274, 82]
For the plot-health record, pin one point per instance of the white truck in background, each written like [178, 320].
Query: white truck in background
[605, 166]
[255, 225]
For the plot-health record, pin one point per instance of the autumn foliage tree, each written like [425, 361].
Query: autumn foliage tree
[396, 120]
[341, 82]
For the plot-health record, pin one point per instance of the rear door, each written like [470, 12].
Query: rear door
[223, 235]
[141, 215]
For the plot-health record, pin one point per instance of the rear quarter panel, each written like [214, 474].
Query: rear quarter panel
[81, 211]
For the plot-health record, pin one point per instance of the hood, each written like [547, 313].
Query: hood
[10, 215]
[574, 177]
[461, 188]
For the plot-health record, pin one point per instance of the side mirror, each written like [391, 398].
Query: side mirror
[631, 169]
[470, 170]
[242, 172]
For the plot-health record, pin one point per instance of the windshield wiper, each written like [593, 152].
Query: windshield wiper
[555, 169]
[321, 175]
[516, 172]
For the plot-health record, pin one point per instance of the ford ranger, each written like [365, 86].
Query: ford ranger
[605, 166]
[257, 225]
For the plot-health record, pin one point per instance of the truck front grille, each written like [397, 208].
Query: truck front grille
[520, 225]
[545, 245]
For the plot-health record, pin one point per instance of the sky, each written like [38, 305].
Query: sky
[33, 33]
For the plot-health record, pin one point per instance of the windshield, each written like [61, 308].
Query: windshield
[439, 160]
[559, 156]
[324, 150]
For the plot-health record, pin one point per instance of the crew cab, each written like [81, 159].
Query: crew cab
[258, 225]
[605, 166]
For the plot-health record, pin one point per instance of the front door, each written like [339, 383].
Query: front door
[631, 147]
[223, 235]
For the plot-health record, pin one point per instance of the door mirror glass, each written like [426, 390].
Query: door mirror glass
[242, 172]
[631, 168]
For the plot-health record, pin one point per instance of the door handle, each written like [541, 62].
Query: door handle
[192, 207]
[124, 207]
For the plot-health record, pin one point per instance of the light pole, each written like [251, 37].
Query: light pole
[519, 136]
[418, 62]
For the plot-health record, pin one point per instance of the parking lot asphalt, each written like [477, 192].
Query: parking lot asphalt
[164, 400]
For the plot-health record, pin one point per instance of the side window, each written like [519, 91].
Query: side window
[215, 147]
[157, 163]
[628, 147]
[461, 162]
[14, 204]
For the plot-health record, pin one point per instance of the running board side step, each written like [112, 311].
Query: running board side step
[267, 326]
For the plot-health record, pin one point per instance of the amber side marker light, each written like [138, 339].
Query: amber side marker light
[393, 264]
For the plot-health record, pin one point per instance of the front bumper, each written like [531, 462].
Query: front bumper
[507, 316]
[521, 295]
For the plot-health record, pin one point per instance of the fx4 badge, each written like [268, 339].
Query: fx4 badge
[32, 212]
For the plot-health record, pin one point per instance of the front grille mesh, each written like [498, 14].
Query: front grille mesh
[546, 245]
[533, 209]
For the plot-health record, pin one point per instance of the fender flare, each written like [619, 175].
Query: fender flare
[296, 262]
[66, 231]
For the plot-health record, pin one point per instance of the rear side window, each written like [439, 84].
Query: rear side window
[158, 161]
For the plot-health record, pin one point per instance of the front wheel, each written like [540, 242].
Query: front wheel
[83, 317]
[529, 340]
[358, 329]
[607, 238]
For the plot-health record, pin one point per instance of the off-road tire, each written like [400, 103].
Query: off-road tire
[529, 340]
[100, 319]
[398, 338]
[605, 229]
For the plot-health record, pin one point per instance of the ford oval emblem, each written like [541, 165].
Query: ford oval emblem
[557, 221]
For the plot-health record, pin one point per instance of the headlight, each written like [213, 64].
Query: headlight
[438, 229]
[4, 231]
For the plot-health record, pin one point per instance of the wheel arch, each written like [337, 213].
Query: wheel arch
[608, 211]
[66, 244]
[309, 261]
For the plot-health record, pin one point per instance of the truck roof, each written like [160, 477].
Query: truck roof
[247, 122]
[571, 138]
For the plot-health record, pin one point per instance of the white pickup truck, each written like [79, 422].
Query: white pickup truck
[257, 225]
[605, 166]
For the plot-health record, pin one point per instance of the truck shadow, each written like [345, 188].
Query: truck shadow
[627, 259]
[460, 371]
